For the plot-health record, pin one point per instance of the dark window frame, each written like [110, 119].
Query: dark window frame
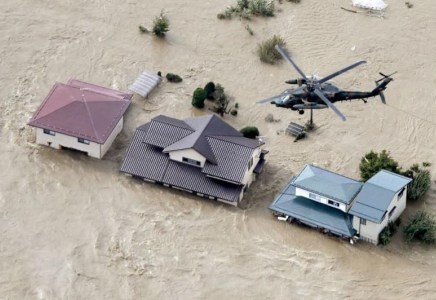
[401, 193]
[392, 211]
[191, 161]
[49, 132]
[333, 203]
[84, 141]
[363, 222]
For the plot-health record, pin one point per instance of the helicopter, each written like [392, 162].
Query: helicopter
[317, 93]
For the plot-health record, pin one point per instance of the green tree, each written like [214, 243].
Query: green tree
[198, 98]
[210, 89]
[421, 181]
[374, 162]
[250, 132]
[161, 25]
[422, 227]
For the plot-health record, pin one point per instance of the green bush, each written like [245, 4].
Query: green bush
[161, 25]
[210, 89]
[234, 112]
[420, 184]
[373, 162]
[245, 9]
[143, 29]
[250, 132]
[198, 98]
[389, 231]
[422, 227]
[173, 77]
[267, 51]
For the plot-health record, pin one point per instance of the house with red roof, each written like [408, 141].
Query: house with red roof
[80, 116]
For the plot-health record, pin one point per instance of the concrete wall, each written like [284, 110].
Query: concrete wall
[249, 176]
[370, 232]
[61, 140]
[188, 153]
[322, 199]
[105, 147]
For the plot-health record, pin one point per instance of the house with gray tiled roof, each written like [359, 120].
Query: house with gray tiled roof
[201, 155]
[340, 205]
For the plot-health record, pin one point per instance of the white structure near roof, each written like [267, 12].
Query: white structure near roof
[80, 116]
[145, 83]
[370, 4]
[343, 206]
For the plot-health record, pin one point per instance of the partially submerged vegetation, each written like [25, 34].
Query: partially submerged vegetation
[250, 132]
[246, 9]
[173, 77]
[161, 25]
[421, 227]
[198, 98]
[217, 94]
[267, 51]
[373, 162]
[389, 231]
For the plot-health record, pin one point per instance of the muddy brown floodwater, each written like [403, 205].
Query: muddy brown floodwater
[73, 227]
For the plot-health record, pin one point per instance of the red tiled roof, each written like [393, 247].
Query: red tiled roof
[82, 110]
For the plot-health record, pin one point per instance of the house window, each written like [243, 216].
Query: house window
[191, 161]
[400, 194]
[250, 163]
[315, 197]
[50, 132]
[333, 203]
[392, 211]
[362, 222]
[83, 141]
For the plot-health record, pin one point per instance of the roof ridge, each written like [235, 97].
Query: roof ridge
[334, 173]
[392, 173]
[154, 120]
[89, 112]
[232, 142]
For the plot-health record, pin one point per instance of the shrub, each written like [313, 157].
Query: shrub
[143, 29]
[222, 100]
[261, 8]
[267, 51]
[420, 184]
[161, 25]
[389, 231]
[173, 77]
[250, 132]
[295, 1]
[300, 136]
[373, 162]
[210, 89]
[422, 227]
[198, 98]
[234, 112]
[237, 105]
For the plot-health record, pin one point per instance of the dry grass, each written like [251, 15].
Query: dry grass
[267, 51]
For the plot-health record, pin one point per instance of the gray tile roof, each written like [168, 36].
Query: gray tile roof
[150, 162]
[162, 134]
[232, 160]
[312, 212]
[377, 194]
[191, 178]
[328, 184]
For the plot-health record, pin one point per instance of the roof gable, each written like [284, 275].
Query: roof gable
[328, 184]
[377, 194]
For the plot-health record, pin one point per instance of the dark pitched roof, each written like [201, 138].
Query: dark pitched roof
[150, 162]
[164, 131]
[312, 212]
[100, 89]
[377, 194]
[89, 113]
[328, 184]
[231, 160]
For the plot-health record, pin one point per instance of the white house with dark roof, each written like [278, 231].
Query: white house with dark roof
[202, 155]
[80, 116]
[343, 206]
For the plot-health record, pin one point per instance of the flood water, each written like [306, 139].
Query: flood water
[73, 227]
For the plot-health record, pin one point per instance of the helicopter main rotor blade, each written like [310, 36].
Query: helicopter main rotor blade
[277, 97]
[382, 96]
[330, 105]
[341, 71]
[289, 60]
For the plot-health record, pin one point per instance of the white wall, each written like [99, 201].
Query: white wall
[249, 176]
[372, 230]
[61, 140]
[178, 155]
[105, 147]
[323, 200]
